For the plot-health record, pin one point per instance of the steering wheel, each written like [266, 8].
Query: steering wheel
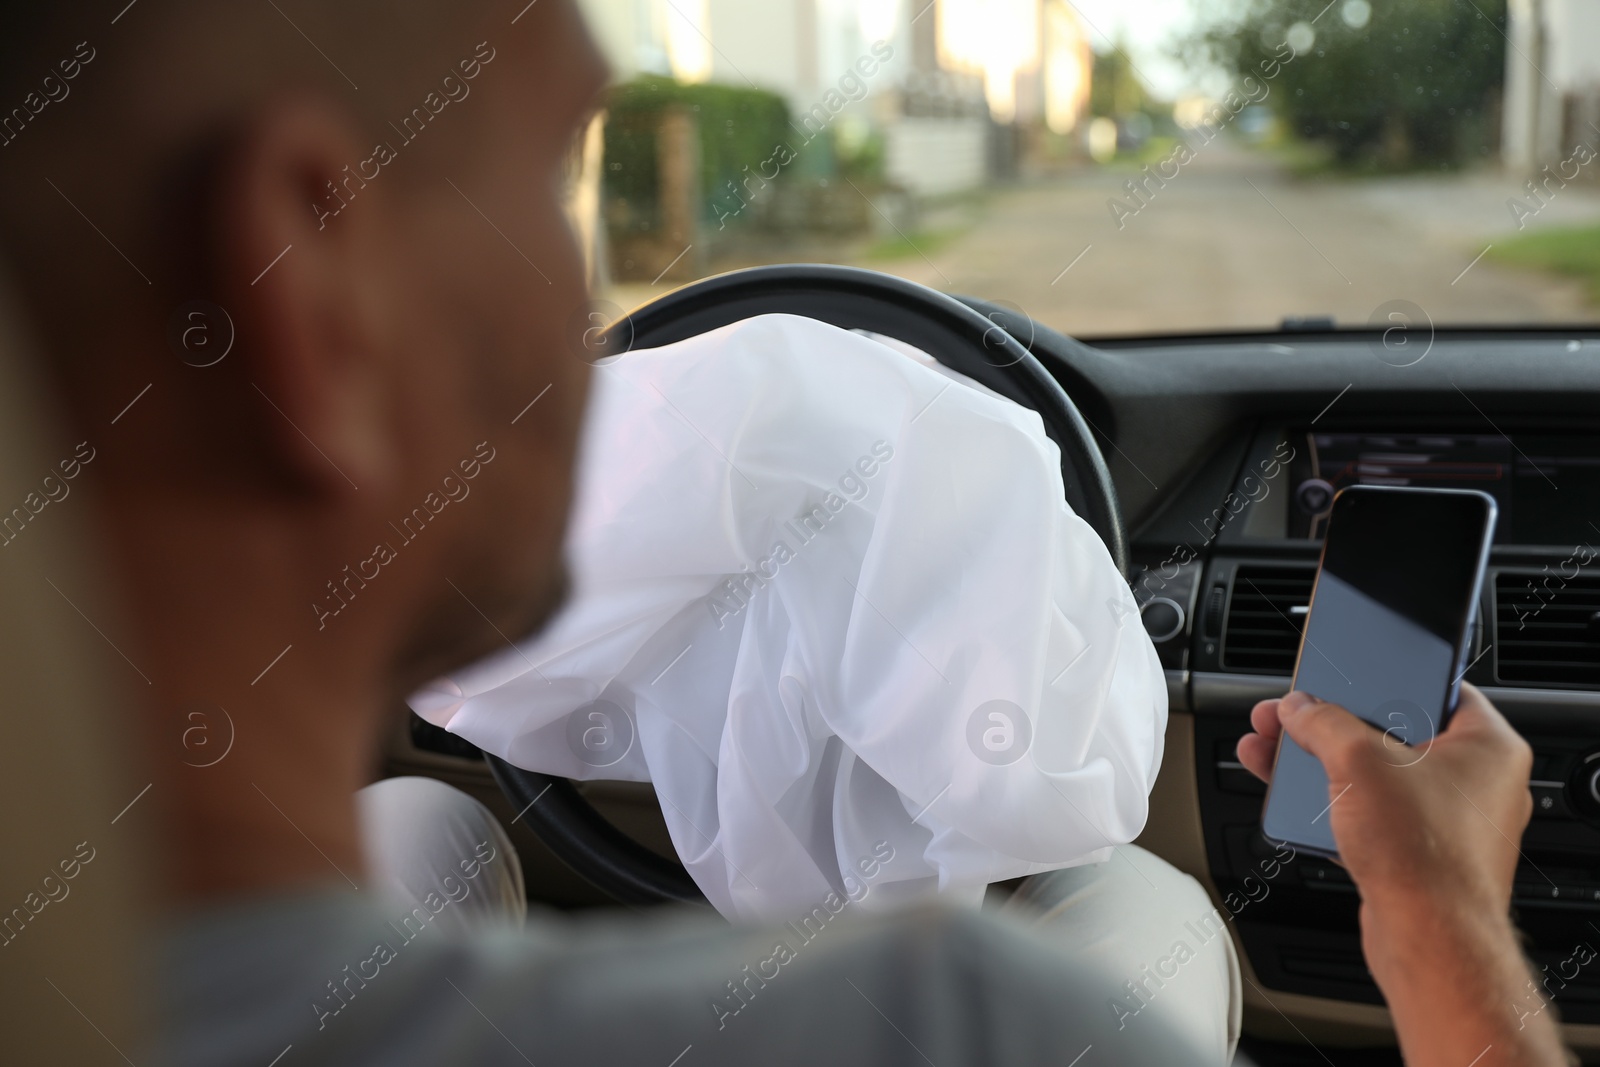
[976, 338]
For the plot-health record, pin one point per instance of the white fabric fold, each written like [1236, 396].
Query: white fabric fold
[827, 598]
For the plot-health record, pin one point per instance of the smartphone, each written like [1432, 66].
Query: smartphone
[1386, 636]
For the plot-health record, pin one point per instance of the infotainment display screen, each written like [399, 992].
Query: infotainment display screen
[1540, 482]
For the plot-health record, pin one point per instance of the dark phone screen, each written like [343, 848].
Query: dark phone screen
[1389, 616]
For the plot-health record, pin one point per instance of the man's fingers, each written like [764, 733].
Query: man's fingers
[1257, 752]
[1474, 714]
[1264, 720]
[1477, 722]
[1327, 731]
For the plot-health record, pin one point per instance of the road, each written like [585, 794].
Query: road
[1233, 241]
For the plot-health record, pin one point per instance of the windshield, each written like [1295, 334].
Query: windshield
[1113, 167]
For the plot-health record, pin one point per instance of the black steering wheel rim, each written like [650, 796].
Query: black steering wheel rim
[974, 337]
[585, 841]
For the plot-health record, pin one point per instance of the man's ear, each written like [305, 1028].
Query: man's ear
[308, 268]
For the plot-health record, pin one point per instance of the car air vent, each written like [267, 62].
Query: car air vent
[1547, 629]
[1265, 616]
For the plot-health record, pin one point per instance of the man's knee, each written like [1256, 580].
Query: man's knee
[1151, 929]
[429, 844]
[1130, 874]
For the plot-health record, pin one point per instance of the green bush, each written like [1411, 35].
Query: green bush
[739, 128]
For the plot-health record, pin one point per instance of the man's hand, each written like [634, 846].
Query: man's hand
[1434, 826]
[1429, 834]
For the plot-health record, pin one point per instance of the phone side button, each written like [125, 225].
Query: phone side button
[1550, 800]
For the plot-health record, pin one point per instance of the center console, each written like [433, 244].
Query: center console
[1224, 576]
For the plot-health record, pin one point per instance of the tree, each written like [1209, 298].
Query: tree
[1395, 83]
[1114, 87]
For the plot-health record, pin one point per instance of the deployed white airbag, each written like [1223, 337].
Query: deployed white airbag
[829, 600]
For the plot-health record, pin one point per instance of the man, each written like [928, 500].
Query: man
[306, 275]
[297, 266]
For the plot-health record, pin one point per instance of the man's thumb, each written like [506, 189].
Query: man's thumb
[1325, 730]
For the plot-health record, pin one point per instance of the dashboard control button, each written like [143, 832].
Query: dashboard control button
[1583, 788]
[1327, 875]
[1542, 890]
[1233, 778]
[1313, 496]
[1163, 618]
[1215, 601]
[1550, 800]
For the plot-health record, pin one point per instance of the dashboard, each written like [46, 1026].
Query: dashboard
[1226, 453]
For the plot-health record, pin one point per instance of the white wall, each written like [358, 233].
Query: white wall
[1520, 110]
[931, 157]
[801, 48]
[759, 43]
[630, 33]
[1555, 51]
[1573, 43]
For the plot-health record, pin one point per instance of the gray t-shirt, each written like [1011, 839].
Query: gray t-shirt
[331, 978]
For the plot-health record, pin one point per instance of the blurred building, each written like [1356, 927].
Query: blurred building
[1032, 56]
[1552, 95]
[1008, 70]
[1067, 68]
[797, 48]
[965, 84]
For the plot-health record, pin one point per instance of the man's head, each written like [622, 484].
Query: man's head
[366, 199]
